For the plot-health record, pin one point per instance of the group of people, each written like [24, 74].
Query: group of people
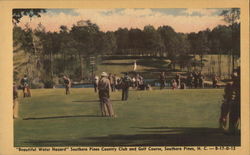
[108, 83]
[195, 80]
[230, 108]
[114, 82]
[117, 83]
[177, 82]
[192, 80]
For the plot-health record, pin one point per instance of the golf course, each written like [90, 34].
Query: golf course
[149, 118]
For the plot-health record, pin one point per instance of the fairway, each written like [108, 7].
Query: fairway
[149, 118]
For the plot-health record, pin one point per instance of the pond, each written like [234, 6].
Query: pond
[84, 85]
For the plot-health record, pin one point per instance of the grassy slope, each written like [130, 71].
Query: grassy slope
[167, 117]
[149, 67]
[152, 66]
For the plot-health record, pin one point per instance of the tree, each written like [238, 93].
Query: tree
[199, 45]
[17, 14]
[232, 16]
[221, 41]
[203, 45]
[193, 38]
[171, 43]
[109, 44]
[152, 40]
[136, 41]
[64, 37]
[183, 58]
[85, 34]
[122, 39]
[51, 46]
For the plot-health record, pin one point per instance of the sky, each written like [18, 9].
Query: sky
[181, 19]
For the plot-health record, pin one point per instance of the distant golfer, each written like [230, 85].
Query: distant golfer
[111, 80]
[135, 66]
[174, 84]
[25, 86]
[95, 81]
[115, 78]
[190, 80]
[104, 96]
[201, 80]
[162, 80]
[67, 84]
[15, 102]
[126, 80]
[178, 80]
[215, 81]
[195, 75]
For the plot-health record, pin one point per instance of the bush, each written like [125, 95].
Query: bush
[48, 84]
[36, 85]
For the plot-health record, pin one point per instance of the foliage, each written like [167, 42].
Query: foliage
[231, 15]
[17, 14]
[49, 55]
[48, 84]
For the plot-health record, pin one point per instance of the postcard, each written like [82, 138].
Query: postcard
[107, 77]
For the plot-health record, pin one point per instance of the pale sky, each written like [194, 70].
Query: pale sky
[182, 20]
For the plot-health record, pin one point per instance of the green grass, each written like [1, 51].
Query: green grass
[120, 66]
[157, 117]
[150, 67]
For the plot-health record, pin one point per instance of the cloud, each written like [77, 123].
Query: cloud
[112, 19]
[200, 12]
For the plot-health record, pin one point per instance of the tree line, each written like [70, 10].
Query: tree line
[52, 54]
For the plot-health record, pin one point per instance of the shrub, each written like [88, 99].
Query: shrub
[48, 84]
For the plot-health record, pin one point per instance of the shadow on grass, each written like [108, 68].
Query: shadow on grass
[155, 136]
[120, 64]
[86, 101]
[55, 117]
[156, 63]
[122, 57]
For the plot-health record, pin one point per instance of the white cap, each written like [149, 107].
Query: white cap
[104, 74]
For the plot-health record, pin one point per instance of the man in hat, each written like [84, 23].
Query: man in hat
[104, 95]
[126, 80]
[67, 84]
